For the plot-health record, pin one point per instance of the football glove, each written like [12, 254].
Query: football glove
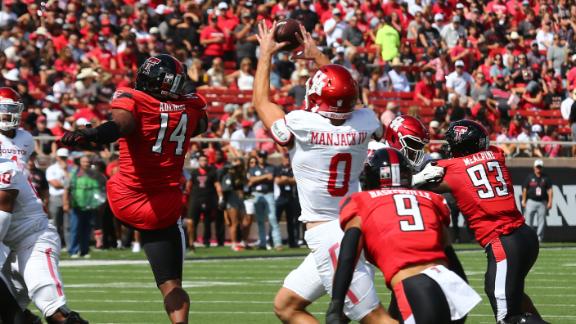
[430, 173]
[79, 137]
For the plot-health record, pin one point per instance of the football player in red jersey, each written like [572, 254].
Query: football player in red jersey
[153, 124]
[478, 178]
[403, 232]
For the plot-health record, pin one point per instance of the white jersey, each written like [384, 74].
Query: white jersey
[18, 148]
[327, 159]
[28, 217]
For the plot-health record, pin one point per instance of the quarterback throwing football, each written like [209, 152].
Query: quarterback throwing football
[328, 144]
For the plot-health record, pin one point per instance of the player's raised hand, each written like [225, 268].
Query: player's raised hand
[309, 49]
[265, 36]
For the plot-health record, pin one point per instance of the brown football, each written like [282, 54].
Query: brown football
[286, 30]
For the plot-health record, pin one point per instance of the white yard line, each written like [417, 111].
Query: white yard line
[126, 311]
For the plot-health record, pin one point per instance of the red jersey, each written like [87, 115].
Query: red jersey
[484, 193]
[153, 155]
[401, 227]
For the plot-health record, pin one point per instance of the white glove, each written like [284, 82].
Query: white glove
[430, 173]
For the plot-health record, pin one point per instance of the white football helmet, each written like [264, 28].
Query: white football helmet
[11, 108]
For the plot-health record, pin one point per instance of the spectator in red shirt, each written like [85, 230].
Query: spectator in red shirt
[59, 39]
[571, 75]
[321, 6]
[327, 14]
[533, 97]
[461, 51]
[498, 7]
[443, 7]
[516, 126]
[212, 38]
[393, 6]
[424, 90]
[100, 56]
[227, 21]
[435, 134]
[127, 59]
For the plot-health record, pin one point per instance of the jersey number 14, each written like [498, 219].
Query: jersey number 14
[178, 134]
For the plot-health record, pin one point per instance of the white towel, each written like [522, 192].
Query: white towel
[460, 296]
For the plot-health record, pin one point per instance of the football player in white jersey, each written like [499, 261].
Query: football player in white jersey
[15, 144]
[328, 143]
[34, 243]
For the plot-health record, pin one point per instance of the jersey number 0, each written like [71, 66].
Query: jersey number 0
[333, 189]
[178, 135]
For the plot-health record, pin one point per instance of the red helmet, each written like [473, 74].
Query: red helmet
[331, 92]
[11, 108]
[408, 135]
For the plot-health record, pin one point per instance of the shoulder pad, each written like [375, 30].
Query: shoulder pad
[123, 92]
[196, 100]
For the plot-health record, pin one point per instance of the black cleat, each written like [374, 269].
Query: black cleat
[74, 318]
[71, 317]
[31, 318]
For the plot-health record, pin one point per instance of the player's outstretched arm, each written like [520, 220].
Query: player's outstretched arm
[122, 124]
[350, 249]
[268, 111]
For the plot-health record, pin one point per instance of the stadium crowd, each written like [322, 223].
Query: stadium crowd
[510, 65]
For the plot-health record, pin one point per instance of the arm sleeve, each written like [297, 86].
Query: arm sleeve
[123, 99]
[454, 263]
[347, 259]
[280, 132]
[348, 210]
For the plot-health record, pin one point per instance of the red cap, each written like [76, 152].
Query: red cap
[246, 123]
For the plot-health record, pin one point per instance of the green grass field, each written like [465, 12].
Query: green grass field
[232, 290]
